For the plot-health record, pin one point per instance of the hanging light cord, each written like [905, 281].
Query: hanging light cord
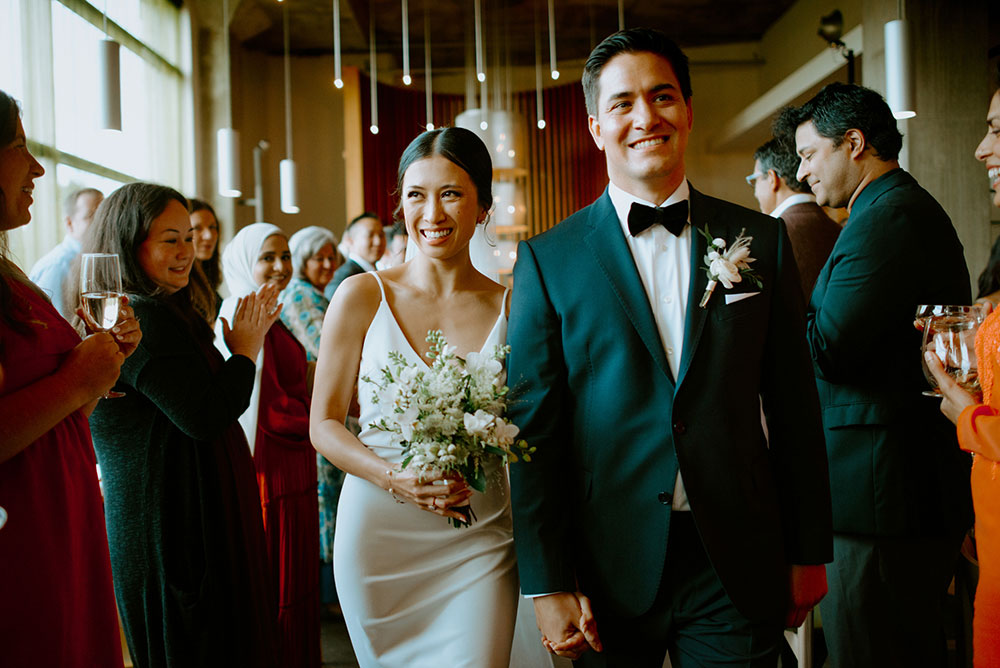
[288, 88]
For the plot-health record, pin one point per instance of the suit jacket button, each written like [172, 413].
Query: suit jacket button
[679, 427]
[664, 498]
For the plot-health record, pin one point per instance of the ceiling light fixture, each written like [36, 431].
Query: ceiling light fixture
[109, 63]
[338, 79]
[286, 168]
[373, 73]
[406, 44]
[539, 107]
[621, 14]
[428, 97]
[552, 40]
[228, 139]
[898, 70]
[480, 66]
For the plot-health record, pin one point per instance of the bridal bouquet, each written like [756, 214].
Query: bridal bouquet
[448, 417]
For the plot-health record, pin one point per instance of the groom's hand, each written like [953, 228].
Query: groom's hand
[807, 585]
[567, 624]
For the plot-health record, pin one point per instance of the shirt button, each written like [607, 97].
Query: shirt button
[670, 351]
[679, 427]
[664, 498]
[668, 300]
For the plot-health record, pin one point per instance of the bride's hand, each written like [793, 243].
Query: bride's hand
[437, 494]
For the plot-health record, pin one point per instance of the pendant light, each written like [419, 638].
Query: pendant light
[406, 44]
[480, 65]
[338, 79]
[109, 65]
[621, 14]
[539, 108]
[552, 40]
[228, 139]
[428, 97]
[898, 71]
[286, 168]
[373, 66]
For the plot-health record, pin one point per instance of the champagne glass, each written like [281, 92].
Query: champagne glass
[100, 294]
[950, 332]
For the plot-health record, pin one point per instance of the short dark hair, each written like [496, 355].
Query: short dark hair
[458, 145]
[633, 40]
[840, 107]
[361, 216]
[779, 154]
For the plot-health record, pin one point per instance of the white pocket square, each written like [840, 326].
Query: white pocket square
[732, 299]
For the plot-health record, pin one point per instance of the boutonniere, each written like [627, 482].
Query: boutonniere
[727, 265]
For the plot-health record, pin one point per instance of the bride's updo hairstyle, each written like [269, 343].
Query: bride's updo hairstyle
[460, 146]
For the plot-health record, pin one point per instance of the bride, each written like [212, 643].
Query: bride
[414, 590]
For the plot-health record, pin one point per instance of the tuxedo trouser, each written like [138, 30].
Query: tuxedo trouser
[886, 601]
[692, 618]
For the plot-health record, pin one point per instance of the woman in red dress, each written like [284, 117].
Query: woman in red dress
[979, 433]
[55, 574]
[277, 428]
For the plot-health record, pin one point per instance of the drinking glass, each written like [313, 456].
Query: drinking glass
[101, 293]
[950, 332]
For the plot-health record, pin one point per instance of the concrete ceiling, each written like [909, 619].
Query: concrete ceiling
[509, 26]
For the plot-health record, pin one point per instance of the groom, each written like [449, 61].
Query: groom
[657, 514]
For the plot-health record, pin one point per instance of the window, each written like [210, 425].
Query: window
[51, 68]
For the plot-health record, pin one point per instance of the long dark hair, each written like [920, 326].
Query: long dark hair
[211, 267]
[14, 310]
[121, 224]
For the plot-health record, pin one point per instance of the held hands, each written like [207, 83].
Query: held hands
[954, 398]
[254, 315]
[93, 365]
[567, 623]
[437, 494]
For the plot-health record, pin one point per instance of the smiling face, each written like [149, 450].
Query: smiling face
[988, 151]
[18, 171]
[274, 262]
[440, 206]
[206, 233]
[642, 124]
[828, 169]
[320, 267]
[368, 239]
[167, 253]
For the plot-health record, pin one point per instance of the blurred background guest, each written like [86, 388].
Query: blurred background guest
[206, 275]
[365, 237]
[56, 593]
[979, 433]
[52, 269]
[314, 259]
[277, 428]
[781, 195]
[183, 514]
[395, 245]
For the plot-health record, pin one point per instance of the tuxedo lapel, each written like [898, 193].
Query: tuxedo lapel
[694, 321]
[612, 254]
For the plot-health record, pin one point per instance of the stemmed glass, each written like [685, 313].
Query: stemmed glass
[100, 294]
[950, 332]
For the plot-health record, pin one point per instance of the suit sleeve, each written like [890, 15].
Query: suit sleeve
[537, 377]
[791, 406]
[871, 264]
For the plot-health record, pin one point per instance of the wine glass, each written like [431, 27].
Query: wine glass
[950, 332]
[100, 294]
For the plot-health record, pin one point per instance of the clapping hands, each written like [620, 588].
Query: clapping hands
[253, 316]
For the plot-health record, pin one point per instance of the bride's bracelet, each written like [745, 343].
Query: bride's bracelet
[392, 492]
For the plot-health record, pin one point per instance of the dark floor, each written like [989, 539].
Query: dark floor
[337, 652]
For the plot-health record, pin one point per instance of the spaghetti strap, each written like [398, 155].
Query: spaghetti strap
[503, 302]
[381, 287]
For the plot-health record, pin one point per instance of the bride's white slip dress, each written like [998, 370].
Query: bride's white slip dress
[415, 591]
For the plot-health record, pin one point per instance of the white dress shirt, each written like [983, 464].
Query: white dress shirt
[791, 200]
[664, 264]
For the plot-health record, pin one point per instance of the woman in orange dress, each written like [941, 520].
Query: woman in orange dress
[979, 433]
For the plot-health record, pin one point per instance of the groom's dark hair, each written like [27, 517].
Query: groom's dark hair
[633, 40]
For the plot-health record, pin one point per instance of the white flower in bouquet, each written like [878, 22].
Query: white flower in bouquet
[448, 417]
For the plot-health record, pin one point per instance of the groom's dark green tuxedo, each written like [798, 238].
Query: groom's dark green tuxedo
[593, 392]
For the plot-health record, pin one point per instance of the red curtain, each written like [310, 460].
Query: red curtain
[565, 170]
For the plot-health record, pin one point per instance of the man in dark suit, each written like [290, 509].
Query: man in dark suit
[781, 195]
[656, 515]
[900, 484]
[365, 239]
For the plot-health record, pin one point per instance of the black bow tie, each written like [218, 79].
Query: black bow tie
[673, 217]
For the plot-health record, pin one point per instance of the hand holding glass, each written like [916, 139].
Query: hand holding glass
[950, 333]
[101, 294]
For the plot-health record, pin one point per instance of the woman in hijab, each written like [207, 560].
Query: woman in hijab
[277, 429]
